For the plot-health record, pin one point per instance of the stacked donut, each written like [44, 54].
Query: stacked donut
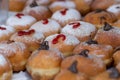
[61, 40]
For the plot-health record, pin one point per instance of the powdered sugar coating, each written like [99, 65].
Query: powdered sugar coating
[51, 26]
[37, 9]
[35, 37]
[21, 76]
[25, 20]
[71, 15]
[65, 4]
[7, 32]
[12, 48]
[70, 40]
[114, 9]
[84, 29]
[3, 61]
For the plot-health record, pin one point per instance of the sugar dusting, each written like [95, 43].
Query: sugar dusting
[3, 61]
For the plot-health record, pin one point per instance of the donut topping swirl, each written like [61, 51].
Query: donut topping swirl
[84, 53]
[114, 73]
[19, 15]
[75, 24]
[2, 28]
[64, 11]
[45, 21]
[73, 67]
[44, 45]
[33, 4]
[107, 27]
[21, 33]
[58, 38]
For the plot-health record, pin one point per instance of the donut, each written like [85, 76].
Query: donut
[20, 21]
[16, 52]
[62, 42]
[30, 37]
[44, 63]
[102, 51]
[65, 16]
[38, 12]
[6, 32]
[108, 35]
[47, 27]
[98, 17]
[80, 29]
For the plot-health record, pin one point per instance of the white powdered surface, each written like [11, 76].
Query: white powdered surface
[70, 40]
[3, 61]
[71, 14]
[84, 29]
[51, 26]
[66, 4]
[114, 9]
[21, 76]
[23, 21]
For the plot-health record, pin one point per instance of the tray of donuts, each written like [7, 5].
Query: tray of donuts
[61, 40]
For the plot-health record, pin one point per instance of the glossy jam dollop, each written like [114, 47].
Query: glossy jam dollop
[19, 15]
[45, 21]
[21, 33]
[64, 11]
[55, 40]
[2, 28]
[75, 25]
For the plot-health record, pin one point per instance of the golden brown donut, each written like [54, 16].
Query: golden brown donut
[38, 12]
[104, 52]
[111, 74]
[44, 63]
[86, 63]
[101, 4]
[5, 68]
[98, 17]
[17, 5]
[83, 6]
[16, 52]
[30, 37]
[108, 35]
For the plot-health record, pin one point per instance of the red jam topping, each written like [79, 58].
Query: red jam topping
[2, 28]
[19, 15]
[63, 12]
[21, 33]
[75, 25]
[45, 21]
[54, 41]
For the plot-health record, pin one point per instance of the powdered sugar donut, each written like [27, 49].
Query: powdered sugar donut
[115, 9]
[30, 37]
[20, 21]
[6, 32]
[38, 12]
[47, 27]
[16, 52]
[5, 68]
[65, 16]
[57, 5]
[65, 43]
[82, 30]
